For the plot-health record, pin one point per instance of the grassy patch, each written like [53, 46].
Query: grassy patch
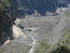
[67, 13]
[64, 44]
[1, 52]
[66, 39]
[42, 47]
[20, 8]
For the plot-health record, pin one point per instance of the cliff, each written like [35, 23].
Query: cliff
[5, 21]
[8, 13]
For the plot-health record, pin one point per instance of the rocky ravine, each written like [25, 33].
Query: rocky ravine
[38, 34]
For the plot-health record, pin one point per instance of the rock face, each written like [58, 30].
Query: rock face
[9, 11]
[5, 22]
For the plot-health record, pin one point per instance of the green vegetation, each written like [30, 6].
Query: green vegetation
[8, 13]
[42, 47]
[6, 2]
[20, 8]
[64, 44]
[67, 13]
[66, 39]
[1, 51]
[4, 5]
[5, 21]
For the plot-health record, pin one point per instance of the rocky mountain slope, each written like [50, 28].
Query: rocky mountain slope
[41, 35]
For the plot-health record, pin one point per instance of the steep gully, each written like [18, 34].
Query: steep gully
[30, 31]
